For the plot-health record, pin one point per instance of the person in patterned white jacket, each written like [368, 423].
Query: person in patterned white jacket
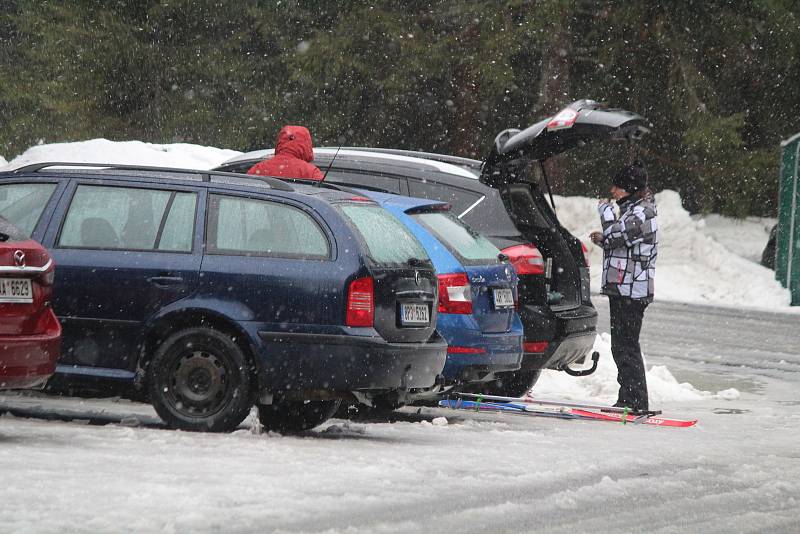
[630, 246]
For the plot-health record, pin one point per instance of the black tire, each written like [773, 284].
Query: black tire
[514, 384]
[200, 380]
[296, 416]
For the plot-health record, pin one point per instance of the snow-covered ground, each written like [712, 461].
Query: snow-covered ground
[108, 466]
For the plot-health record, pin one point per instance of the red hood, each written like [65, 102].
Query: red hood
[295, 141]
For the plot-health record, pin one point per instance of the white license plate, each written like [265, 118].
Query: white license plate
[414, 314]
[503, 298]
[16, 290]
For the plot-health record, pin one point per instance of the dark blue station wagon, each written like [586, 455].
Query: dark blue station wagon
[212, 292]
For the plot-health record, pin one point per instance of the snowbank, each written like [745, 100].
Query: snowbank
[601, 386]
[692, 265]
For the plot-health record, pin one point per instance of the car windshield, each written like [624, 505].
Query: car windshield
[469, 246]
[386, 238]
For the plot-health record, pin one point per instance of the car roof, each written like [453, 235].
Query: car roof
[195, 177]
[463, 167]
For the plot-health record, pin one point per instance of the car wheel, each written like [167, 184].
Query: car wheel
[296, 416]
[514, 384]
[199, 380]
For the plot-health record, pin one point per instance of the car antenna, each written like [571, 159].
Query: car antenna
[319, 184]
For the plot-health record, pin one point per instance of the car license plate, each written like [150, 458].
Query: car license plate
[16, 290]
[503, 298]
[414, 314]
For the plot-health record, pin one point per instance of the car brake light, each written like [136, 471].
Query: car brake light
[564, 119]
[535, 346]
[361, 303]
[526, 259]
[455, 293]
[585, 250]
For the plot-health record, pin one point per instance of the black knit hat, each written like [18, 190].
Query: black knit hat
[632, 178]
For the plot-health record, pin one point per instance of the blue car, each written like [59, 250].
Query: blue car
[477, 292]
[210, 292]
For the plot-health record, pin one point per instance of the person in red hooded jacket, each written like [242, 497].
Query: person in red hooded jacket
[293, 152]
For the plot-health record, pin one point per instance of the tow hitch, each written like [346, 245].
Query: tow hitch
[584, 372]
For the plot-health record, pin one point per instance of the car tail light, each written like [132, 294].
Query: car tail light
[455, 293]
[465, 350]
[535, 346]
[361, 303]
[585, 250]
[526, 259]
[564, 119]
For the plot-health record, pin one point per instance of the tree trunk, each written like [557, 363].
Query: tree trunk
[554, 92]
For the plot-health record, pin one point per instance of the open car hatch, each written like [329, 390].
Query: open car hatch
[581, 122]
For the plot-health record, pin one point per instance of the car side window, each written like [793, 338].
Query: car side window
[22, 204]
[374, 182]
[127, 218]
[460, 199]
[247, 226]
[178, 227]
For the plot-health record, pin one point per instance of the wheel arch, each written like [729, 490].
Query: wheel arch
[160, 328]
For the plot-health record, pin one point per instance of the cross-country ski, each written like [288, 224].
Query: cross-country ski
[564, 412]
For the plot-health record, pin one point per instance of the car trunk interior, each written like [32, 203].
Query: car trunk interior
[560, 286]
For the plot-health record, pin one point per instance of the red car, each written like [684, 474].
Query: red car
[30, 334]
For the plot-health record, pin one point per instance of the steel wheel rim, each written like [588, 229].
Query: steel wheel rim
[197, 385]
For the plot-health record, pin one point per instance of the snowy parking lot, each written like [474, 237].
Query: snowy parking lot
[109, 466]
[721, 344]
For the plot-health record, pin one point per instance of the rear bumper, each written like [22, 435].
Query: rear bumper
[501, 351]
[570, 335]
[344, 363]
[27, 362]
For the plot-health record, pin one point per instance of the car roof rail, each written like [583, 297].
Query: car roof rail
[432, 156]
[274, 183]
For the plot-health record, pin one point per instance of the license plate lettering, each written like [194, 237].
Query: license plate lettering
[503, 298]
[414, 314]
[16, 290]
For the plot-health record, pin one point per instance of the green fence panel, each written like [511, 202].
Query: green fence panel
[787, 255]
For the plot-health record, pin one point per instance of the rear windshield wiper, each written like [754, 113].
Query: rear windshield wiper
[419, 262]
[4, 237]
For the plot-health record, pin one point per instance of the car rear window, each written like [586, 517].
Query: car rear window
[489, 216]
[9, 232]
[388, 241]
[23, 203]
[469, 246]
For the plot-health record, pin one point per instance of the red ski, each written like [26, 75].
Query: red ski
[635, 419]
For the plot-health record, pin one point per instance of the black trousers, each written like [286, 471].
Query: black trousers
[626, 323]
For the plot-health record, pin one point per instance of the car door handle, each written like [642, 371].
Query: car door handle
[165, 281]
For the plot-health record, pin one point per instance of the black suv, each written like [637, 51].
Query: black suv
[503, 198]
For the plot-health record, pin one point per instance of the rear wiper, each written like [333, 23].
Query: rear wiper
[419, 262]
[4, 237]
